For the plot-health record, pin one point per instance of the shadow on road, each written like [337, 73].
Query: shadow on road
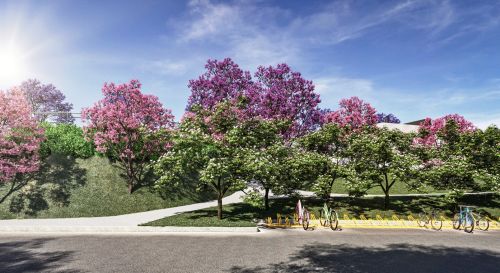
[393, 258]
[27, 256]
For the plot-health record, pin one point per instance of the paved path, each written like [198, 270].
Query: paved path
[347, 251]
[309, 193]
[126, 220]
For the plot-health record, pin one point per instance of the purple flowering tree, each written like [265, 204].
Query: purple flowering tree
[283, 94]
[45, 98]
[387, 118]
[222, 80]
[278, 93]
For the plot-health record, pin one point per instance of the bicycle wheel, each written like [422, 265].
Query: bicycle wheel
[468, 223]
[457, 222]
[436, 223]
[334, 221]
[305, 219]
[422, 219]
[483, 223]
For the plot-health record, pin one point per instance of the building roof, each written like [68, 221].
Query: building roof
[405, 128]
[416, 122]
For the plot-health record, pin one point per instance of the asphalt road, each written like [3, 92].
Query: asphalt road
[366, 250]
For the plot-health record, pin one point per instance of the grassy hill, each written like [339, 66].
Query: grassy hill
[84, 188]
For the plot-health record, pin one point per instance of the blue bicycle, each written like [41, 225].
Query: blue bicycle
[464, 218]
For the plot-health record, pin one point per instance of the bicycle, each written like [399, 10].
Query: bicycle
[481, 222]
[303, 215]
[328, 217]
[430, 218]
[464, 218]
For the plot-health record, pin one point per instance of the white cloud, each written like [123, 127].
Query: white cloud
[343, 86]
[270, 34]
[482, 121]
[242, 30]
[340, 22]
[262, 50]
[213, 19]
[165, 67]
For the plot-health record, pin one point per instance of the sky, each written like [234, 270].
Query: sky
[414, 59]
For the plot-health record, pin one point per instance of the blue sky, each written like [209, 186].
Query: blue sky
[412, 58]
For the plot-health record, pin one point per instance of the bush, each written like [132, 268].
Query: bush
[66, 139]
[254, 199]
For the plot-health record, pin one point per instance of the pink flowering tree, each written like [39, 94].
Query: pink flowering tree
[353, 112]
[429, 129]
[283, 94]
[20, 138]
[130, 127]
[46, 98]
[222, 80]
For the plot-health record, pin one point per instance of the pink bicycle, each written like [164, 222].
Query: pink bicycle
[302, 215]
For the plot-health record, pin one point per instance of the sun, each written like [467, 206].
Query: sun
[11, 63]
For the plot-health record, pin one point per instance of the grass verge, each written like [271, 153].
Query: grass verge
[242, 215]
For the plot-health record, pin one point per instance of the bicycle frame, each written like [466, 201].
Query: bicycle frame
[464, 211]
[464, 218]
[432, 218]
[327, 211]
[328, 217]
[299, 210]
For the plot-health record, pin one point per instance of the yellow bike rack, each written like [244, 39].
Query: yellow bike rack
[285, 221]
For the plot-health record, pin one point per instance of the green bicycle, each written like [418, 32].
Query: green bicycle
[328, 217]
[432, 218]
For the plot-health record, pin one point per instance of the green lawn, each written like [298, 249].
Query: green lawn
[94, 187]
[235, 215]
[244, 215]
[397, 188]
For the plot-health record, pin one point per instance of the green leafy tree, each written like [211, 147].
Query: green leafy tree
[203, 153]
[380, 158]
[463, 159]
[263, 153]
[330, 144]
[447, 165]
[484, 151]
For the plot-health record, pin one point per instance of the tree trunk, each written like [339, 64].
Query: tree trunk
[266, 199]
[219, 207]
[386, 200]
[12, 189]
[386, 191]
[130, 187]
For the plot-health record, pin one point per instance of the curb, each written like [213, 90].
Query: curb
[124, 229]
[371, 224]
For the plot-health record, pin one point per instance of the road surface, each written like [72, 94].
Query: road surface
[269, 251]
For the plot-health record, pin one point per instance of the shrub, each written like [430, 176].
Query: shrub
[66, 139]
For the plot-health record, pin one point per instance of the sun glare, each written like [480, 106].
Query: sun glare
[11, 64]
